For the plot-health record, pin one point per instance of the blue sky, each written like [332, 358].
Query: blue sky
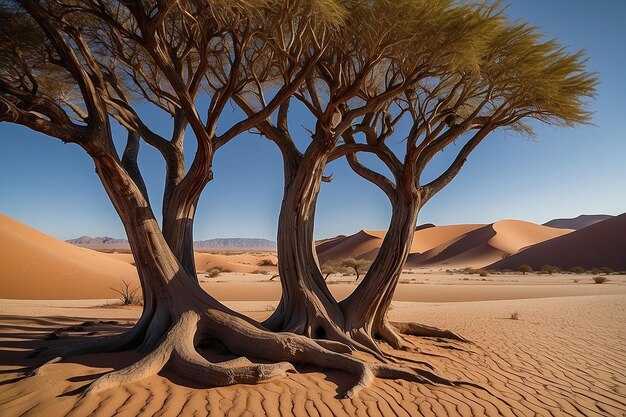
[560, 173]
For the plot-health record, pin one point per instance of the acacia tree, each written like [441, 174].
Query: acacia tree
[382, 48]
[59, 77]
[520, 78]
[473, 72]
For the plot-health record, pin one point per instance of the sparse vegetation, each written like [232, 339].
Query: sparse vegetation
[600, 280]
[481, 272]
[267, 262]
[515, 315]
[128, 295]
[328, 268]
[260, 271]
[524, 269]
[358, 265]
[549, 269]
[606, 270]
[577, 270]
[214, 273]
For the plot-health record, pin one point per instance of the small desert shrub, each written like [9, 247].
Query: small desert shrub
[549, 269]
[606, 270]
[576, 281]
[515, 315]
[577, 270]
[481, 272]
[267, 262]
[600, 280]
[214, 273]
[525, 269]
[260, 271]
[128, 295]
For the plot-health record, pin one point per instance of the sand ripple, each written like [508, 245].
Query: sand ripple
[563, 357]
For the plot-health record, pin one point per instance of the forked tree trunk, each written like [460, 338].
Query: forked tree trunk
[178, 315]
[366, 308]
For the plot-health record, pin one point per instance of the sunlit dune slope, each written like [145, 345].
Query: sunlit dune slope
[485, 245]
[37, 266]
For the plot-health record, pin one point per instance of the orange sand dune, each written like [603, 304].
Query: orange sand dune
[37, 266]
[361, 245]
[485, 245]
[366, 243]
[601, 244]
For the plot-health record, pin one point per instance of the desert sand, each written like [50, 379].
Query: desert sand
[545, 345]
[563, 356]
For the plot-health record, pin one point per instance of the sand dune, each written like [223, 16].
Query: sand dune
[464, 245]
[579, 222]
[601, 244]
[366, 243]
[485, 245]
[37, 266]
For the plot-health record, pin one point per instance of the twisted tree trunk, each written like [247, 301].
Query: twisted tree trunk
[306, 306]
[178, 315]
[366, 308]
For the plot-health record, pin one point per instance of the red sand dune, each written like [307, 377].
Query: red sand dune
[601, 244]
[37, 266]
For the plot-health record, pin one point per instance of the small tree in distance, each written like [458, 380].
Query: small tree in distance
[524, 269]
[359, 265]
[328, 269]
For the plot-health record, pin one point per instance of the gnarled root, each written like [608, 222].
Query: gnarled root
[421, 330]
[177, 349]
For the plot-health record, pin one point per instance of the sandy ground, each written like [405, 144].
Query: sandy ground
[564, 356]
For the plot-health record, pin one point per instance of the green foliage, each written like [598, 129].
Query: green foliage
[549, 269]
[525, 269]
[358, 265]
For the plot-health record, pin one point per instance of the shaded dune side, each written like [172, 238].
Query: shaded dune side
[601, 244]
[37, 266]
[366, 243]
[485, 245]
[361, 245]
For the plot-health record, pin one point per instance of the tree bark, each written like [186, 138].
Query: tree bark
[366, 308]
[178, 315]
[306, 306]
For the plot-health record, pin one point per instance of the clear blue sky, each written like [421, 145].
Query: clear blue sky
[560, 173]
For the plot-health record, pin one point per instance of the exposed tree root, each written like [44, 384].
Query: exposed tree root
[421, 330]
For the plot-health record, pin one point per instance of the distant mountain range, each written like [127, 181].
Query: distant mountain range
[219, 244]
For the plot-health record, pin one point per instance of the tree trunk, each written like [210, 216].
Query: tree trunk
[306, 306]
[178, 315]
[366, 308]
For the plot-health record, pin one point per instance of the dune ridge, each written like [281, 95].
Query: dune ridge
[601, 244]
